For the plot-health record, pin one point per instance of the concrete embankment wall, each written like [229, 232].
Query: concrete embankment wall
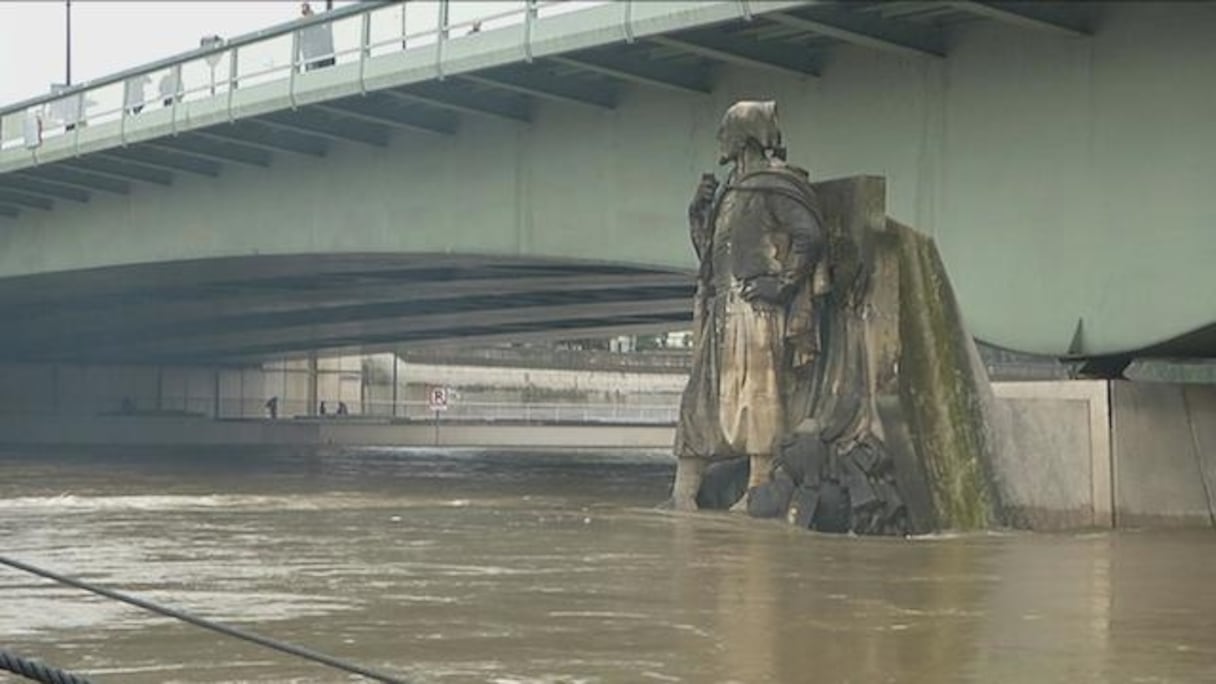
[364, 384]
[1057, 475]
[1087, 454]
[1163, 454]
[1103, 454]
[557, 380]
[48, 389]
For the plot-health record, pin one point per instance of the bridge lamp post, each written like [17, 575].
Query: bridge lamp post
[212, 59]
[67, 6]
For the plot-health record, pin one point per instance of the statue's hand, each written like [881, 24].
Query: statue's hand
[763, 290]
[703, 198]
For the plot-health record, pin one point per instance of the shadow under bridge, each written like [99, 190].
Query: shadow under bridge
[250, 308]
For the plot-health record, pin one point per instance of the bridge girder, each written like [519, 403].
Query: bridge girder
[160, 160]
[864, 31]
[87, 182]
[119, 170]
[543, 84]
[308, 123]
[224, 152]
[41, 188]
[741, 51]
[1063, 18]
[368, 109]
[623, 67]
[25, 201]
[447, 95]
[256, 134]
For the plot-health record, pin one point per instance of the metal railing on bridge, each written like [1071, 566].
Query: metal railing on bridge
[466, 411]
[353, 34]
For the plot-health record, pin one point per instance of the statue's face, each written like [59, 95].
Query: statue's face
[729, 146]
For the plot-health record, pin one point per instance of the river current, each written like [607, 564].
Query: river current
[554, 568]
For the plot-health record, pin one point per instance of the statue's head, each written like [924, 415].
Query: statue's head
[749, 122]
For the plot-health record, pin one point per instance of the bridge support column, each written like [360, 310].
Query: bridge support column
[396, 363]
[312, 384]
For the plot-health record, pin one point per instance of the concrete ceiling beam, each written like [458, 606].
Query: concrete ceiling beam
[88, 182]
[118, 170]
[654, 74]
[1061, 18]
[867, 32]
[740, 52]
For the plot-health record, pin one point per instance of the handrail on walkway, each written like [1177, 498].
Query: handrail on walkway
[121, 95]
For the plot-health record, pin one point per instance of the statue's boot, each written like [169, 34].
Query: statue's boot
[760, 472]
[689, 474]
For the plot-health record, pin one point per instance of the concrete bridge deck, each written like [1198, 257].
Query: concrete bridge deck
[541, 163]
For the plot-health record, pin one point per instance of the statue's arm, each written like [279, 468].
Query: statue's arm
[698, 215]
[699, 233]
[791, 217]
[807, 238]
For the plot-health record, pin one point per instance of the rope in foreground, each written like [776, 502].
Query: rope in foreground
[228, 630]
[36, 670]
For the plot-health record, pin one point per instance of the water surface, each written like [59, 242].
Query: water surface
[467, 566]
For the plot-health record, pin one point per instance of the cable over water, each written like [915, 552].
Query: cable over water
[237, 633]
[37, 671]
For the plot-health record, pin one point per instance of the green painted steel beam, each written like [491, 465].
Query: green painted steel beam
[224, 152]
[538, 83]
[77, 179]
[1063, 18]
[42, 188]
[745, 52]
[159, 160]
[360, 109]
[119, 170]
[310, 123]
[21, 199]
[326, 329]
[632, 69]
[865, 31]
[496, 105]
[256, 135]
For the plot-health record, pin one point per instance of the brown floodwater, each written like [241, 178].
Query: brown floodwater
[469, 566]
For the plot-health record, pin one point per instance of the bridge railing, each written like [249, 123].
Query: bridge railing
[353, 34]
[468, 411]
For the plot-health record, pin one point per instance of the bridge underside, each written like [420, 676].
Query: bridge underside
[1028, 138]
[247, 309]
[250, 309]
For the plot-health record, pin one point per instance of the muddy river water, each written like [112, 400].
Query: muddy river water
[472, 566]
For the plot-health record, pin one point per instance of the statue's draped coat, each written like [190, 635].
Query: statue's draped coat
[753, 361]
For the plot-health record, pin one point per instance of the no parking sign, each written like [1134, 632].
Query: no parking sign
[439, 398]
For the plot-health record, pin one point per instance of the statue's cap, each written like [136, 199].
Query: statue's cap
[750, 120]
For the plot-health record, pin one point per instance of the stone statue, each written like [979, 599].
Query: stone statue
[759, 238]
[832, 383]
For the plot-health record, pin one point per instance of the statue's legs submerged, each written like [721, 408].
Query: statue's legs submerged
[733, 402]
[689, 474]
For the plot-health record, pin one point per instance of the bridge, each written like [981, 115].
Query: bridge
[439, 175]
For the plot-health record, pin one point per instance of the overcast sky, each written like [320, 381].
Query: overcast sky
[110, 35]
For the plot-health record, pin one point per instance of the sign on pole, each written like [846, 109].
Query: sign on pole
[439, 398]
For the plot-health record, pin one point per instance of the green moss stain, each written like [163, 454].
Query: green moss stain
[939, 389]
